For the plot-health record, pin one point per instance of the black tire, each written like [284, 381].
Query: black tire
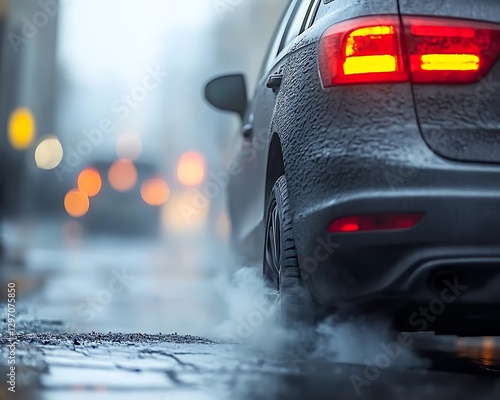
[295, 308]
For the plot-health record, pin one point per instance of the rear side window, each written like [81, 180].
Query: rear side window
[325, 8]
[278, 38]
[297, 22]
[297, 17]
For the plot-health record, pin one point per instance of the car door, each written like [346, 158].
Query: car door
[247, 191]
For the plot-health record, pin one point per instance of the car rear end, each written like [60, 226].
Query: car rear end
[404, 170]
[118, 212]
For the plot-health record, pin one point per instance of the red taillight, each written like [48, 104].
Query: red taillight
[450, 51]
[377, 222]
[434, 50]
[362, 50]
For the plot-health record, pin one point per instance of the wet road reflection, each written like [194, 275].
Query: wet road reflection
[485, 351]
[168, 289]
[177, 367]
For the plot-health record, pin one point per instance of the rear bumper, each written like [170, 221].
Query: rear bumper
[459, 234]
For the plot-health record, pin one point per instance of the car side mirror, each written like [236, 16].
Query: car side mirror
[228, 93]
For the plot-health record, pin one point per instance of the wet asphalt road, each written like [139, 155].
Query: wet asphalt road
[168, 292]
[160, 367]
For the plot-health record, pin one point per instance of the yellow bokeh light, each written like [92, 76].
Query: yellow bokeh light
[122, 175]
[49, 153]
[22, 128]
[191, 169]
[184, 213]
[90, 182]
[76, 203]
[155, 192]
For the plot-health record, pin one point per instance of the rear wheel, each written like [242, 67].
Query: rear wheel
[281, 267]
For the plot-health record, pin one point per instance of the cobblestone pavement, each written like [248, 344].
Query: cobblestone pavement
[168, 293]
[165, 367]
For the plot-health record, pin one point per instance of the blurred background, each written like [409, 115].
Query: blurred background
[107, 149]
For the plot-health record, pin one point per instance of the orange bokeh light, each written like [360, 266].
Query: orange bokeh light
[122, 175]
[76, 203]
[191, 169]
[155, 192]
[90, 182]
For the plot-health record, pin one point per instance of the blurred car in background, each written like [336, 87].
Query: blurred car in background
[369, 160]
[124, 198]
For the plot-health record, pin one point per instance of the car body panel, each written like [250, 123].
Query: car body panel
[363, 149]
[460, 122]
[247, 191]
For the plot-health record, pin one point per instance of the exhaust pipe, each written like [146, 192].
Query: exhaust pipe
[443, 279]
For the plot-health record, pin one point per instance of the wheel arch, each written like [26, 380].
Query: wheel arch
[275, 166]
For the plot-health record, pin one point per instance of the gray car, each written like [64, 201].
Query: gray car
[369, 165]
